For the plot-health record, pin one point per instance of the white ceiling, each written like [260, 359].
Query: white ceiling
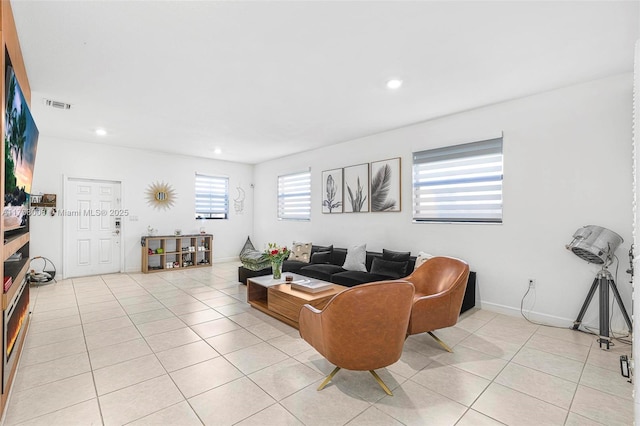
[266, 79]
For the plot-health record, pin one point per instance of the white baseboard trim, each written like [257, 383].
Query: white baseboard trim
[131, 270]
[541, 318]
[226, 259]
[533, 315]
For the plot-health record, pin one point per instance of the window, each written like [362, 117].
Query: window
[461, 183]
[212, 197]
[294, 196]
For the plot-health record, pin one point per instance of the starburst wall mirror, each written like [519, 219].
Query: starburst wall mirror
[161, 195]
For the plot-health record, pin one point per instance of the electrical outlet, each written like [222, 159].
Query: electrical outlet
[532, 283]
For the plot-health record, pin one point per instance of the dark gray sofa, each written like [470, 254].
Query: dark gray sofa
[330, 269]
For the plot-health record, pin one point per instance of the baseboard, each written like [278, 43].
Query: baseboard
[533, 315]
[226, 259]
[541, 318]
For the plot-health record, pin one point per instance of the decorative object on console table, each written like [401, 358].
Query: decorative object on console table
[277, 255]
[385, 185]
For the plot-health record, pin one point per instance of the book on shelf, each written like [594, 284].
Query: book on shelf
[311, 286]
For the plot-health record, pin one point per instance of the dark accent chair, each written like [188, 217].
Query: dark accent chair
[362, 328]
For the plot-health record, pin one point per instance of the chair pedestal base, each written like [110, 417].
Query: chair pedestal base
[328, 378]
[443, 344]
[381, 383]
[373, 373]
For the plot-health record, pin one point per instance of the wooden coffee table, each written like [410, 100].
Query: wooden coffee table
[278, 299]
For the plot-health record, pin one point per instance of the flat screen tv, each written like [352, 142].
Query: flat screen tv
[20, 143]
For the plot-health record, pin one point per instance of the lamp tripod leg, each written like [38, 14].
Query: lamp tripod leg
[604, 281]
[604, 312]
[616, 294]
[585, 305]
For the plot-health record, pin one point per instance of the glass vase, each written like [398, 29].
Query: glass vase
[276, 267]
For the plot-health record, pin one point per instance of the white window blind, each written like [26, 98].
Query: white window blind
[294, 196]
[461, 183]
[212, 197]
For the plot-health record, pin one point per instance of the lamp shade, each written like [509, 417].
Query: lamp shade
[595, 244]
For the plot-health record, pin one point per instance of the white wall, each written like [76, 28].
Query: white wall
[567, 160]
[136, 170]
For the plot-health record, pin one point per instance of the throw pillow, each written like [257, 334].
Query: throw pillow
[356, 258]
[325, 249]
[396, 256]
[300, 252]
[422, 257]
[321, 257]
[389, 268]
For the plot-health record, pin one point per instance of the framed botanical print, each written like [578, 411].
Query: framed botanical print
[356, 188]
[386, 186]
[332, 191]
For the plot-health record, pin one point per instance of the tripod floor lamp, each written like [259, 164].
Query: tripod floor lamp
[596, 244]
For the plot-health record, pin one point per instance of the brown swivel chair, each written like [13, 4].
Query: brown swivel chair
[440, 284]
[361, 328]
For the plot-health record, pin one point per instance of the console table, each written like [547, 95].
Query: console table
[168, 252]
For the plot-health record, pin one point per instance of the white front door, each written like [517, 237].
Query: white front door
[92, 220]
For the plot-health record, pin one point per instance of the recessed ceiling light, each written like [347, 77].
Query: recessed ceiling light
[394, 83]
[101, 132]
[217, 151]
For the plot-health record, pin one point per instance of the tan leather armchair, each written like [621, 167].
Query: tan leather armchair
[440, 283]
[361, 328]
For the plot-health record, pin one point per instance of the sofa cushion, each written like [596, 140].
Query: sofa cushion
[293, 265]
[356, 258]
[338, 256]
[321, 257]
[370, 256]
[396, 256]
[352, 278]
[320, 249]
[301, 252]
[389, 268]
[320, 271]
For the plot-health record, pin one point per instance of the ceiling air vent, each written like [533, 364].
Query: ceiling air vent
[56, 104]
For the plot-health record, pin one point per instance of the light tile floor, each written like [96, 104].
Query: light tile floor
[184, 348]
